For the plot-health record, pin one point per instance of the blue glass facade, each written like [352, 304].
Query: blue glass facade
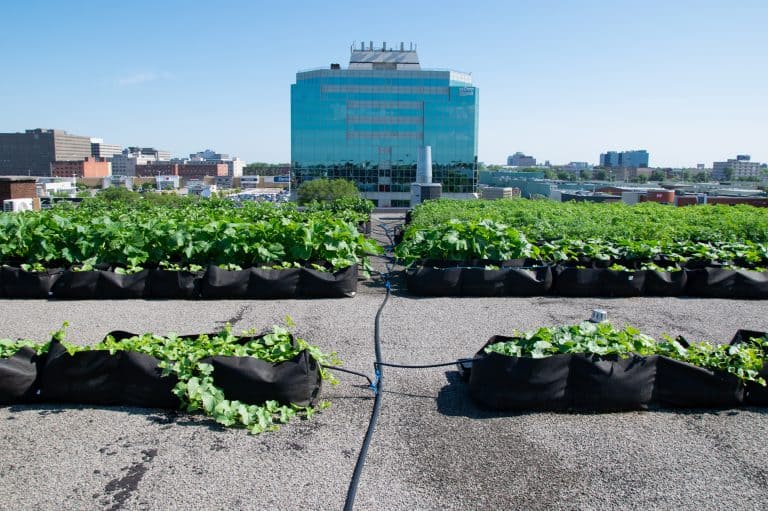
[636, 159]
[367, 125]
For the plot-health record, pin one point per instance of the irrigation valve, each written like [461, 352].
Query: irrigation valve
[598, 316]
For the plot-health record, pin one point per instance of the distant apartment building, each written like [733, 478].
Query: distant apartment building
[521, 160]
[101, 150]
[740, 168]
[87, 167]
[625, 159]
[32, 152]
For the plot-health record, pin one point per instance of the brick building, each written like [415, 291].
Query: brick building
[88, 167]
[154, 168]
[691, 200]
[188, 171]
[200, 170]
[15, 187]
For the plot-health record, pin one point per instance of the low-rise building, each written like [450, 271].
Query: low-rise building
[521, 160]
[88, 167]
[739, 168]
[17, 187]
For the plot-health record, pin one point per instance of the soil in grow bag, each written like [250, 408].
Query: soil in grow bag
[18, 283]
[680, 384]
[433, 281]
[323, 284]
[519, 383]
[754, 393]
[173, 285]
[255, 381]
[597, 282]
[723, 283]
[611, 383]
[17, 377]
[98, 377]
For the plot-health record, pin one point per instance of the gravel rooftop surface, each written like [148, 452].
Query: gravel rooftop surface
[433, 447]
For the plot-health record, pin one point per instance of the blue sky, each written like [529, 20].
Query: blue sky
[562, 80]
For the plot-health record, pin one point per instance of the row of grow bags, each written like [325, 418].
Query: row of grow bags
[450, 279]
[588, 382]
[126, 378]
[213, 283]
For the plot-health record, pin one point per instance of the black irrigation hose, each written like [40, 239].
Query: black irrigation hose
[336, 368]
[444, 364]
[378, 388]
[378, 385]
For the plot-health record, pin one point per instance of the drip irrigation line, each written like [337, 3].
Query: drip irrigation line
[377, 386]
[343, 370]
[427, 366]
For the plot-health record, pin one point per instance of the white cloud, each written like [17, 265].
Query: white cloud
[142, 77]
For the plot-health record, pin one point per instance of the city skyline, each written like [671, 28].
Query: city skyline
[562, 83]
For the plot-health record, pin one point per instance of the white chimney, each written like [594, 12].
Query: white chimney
[424, 165]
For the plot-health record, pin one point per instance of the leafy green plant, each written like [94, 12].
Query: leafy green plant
[196, 388]
[9, 348]
[462, 241]
[742, 360]
[183, 235]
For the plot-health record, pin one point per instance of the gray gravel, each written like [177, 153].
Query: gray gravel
[433, 448]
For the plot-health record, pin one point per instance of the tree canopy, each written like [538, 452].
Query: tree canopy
[326, 190]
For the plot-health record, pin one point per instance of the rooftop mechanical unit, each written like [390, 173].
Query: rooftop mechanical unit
[16, 205]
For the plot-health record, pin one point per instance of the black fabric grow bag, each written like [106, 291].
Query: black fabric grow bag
[611, 383]
[100, 284]
[754, 393]
[255, 381]
[220, 283]
[116, 286]
[519, 383]
[506, 281]
[250, 283]
[319, 284]
[172, 284]
[482, 282]
[664, 283]
[432, 281]
[18, 283]
[77, 285]
[589, 282]
[17, 377]
[722, 283]
[270, 283]
[97, 377]
[684, 385]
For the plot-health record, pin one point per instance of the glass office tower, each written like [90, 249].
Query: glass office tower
[366, 123]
